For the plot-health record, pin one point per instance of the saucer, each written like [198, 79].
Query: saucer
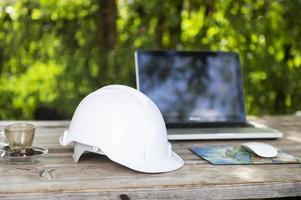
[31, 155]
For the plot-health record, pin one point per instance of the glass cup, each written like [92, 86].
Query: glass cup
[19, 136]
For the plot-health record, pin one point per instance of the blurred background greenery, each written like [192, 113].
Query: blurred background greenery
[54, 52]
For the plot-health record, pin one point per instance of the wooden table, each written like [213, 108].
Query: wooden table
[96, 177]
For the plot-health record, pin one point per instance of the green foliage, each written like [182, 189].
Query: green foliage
[50, 58]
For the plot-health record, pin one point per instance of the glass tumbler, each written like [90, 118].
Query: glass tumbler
[19, 136]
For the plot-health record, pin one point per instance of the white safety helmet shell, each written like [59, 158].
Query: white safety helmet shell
[126, 126]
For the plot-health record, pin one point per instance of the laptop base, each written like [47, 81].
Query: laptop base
[259, 131]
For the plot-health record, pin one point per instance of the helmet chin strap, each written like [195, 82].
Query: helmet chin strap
[80, 149]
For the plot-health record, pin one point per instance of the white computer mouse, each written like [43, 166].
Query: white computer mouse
[261, 149]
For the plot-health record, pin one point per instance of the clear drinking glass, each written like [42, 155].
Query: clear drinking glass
[19, 136]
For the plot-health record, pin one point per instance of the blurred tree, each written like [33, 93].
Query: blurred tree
[54, 52]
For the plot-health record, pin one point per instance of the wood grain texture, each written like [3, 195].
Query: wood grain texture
[56, 176]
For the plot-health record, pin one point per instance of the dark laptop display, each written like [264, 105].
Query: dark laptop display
[192, 88]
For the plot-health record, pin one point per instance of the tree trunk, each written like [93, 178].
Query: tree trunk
[281, 89]
[160, 24]
[175, 30]
[106, 32]
[1, 58]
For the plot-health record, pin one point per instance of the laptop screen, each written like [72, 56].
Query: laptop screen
[191, 87]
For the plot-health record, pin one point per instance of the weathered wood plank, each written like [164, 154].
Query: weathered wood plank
[104, 168]
[48, 124]
[225, 192]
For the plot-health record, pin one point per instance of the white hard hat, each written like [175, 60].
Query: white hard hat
[126, 126]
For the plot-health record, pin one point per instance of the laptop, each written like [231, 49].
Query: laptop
[200, 94]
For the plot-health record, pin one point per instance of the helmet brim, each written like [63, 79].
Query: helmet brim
[169, 163]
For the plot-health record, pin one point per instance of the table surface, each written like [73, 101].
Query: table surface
[56, 176]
